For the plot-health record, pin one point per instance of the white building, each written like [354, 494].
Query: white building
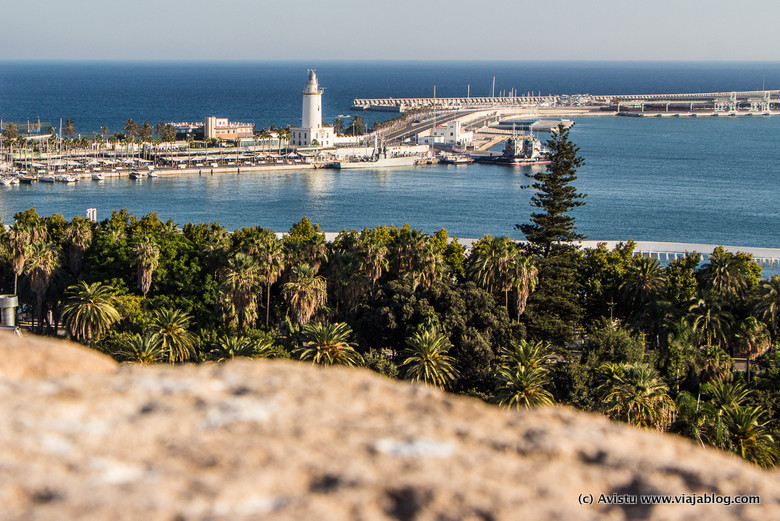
[217, 128]
[311, 129]
[450, 134]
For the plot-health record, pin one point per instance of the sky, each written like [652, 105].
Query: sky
[262, 30]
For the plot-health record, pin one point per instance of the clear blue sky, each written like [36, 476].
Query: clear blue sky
[393, 30]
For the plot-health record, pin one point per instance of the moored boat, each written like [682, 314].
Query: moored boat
[97, 177]
[46, 178]
[455, 159]
[378, 162]
[525, 151]
[66, 178]
[135, 175]
[152, 173]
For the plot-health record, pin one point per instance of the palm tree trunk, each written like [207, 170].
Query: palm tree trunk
[39, 302]
[267, 304]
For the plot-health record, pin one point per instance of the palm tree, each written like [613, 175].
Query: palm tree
[718, 365]
[146, 255]
[767, 305]
[146, 349]
[145, 131]
[171, 327]
[241, 280]
[723, 274]
[426, 266]
[283, 135]
[70, 128]
[523, 375]
[265, 136]
[315, 251]
[89, 310]
[305, 293]
[169, 228]
[426, 359]
[229, 347]
[523, 277]
[490, 263]
[525, 353]
[520, 386]
[404, 245]
[373, 253]
[20, 238]
[726, 395]
[78, 235]
[645, 280]
[21, 235]
[329, 344]
[752, 338]
[346, 279]
[750, 437]
[710, 320]
[132, 128]
[635, 394]
[679, 356]
[43, 259]
[270, 257]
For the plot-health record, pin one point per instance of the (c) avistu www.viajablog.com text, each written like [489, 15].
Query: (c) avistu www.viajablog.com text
[667, 499]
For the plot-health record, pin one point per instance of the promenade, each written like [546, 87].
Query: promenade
[767, 258]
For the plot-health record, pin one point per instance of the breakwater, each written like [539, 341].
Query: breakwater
[732, 102]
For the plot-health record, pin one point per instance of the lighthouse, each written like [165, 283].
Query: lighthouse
[312, 103]
[311, 132]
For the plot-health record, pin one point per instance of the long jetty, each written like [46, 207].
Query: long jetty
[753, 101]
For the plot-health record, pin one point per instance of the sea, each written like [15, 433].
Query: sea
[698, 180]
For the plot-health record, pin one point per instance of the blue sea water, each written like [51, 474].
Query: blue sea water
[708, 180]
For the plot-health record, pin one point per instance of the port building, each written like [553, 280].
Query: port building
[221, 128]
[450, 133]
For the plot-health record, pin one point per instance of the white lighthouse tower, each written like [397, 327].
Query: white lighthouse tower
[311, 132]
[312, 103]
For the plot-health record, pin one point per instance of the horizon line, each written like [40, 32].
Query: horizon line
[366, 60]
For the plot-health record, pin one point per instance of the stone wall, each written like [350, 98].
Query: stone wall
[83, 438]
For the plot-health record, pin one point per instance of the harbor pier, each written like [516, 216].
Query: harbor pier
[728, 103]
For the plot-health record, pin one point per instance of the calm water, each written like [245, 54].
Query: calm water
[709, 180]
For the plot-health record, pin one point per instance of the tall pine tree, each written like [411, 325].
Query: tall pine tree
[555, 196]
[554, 311]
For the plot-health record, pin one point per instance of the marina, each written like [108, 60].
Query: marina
[652, 179]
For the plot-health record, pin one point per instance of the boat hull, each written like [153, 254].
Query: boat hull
[385, 162]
